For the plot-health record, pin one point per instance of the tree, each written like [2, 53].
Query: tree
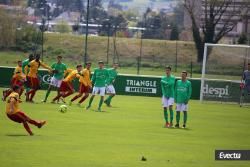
[215, 12]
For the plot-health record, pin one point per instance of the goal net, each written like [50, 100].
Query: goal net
[222, 69]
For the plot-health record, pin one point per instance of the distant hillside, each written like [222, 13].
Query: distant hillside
[142, 5]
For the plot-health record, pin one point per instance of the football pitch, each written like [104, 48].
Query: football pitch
[119, 137]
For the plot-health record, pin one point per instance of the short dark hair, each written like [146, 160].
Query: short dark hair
[100, 62]
[88, 63]
[168, 67]
[38, 56]
[31, 56]
[185, 72]
[79, 65]
[19, 61]
[15, 87]
[59, 56]
[249, 64]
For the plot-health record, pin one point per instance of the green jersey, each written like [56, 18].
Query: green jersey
[24, 64]
[99, 77]
[167, 86]
[60, 70]
[183, 91]
[112, 74]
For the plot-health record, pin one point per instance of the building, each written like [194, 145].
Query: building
[233, 13]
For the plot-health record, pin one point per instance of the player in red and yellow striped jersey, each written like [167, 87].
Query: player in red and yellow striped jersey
[85, 84]
[32, 77]
[66, 88]
[15, 114]
[18, 78]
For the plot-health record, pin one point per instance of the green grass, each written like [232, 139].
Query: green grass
[120, 136]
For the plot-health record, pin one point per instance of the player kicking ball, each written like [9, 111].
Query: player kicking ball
[167, 87]
[59, 69]
[15, 114]
[183, 92]
[110, 89]
[99, 80]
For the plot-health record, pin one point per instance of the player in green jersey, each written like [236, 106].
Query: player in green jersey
[167, 87]
[99, 80]
[183, 92]
[59, 69]
[110, 90]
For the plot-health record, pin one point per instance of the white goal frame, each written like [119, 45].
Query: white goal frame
[205, 59]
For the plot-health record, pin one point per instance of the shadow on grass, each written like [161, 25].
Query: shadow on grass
[16, 135]
[20, 135]
[185, 129]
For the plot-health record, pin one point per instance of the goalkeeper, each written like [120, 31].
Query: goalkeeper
[246, 79]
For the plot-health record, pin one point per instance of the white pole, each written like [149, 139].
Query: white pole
[203, 72]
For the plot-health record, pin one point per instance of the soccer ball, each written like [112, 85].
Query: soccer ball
[63, 108]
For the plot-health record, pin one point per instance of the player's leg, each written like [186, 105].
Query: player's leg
[185, 109]
[60, 91]
[27, 85]
[94, 92]
[57, 97]
[178, 115]
[83, 98]
[184, 119]
[47, 93]
[102, 94]
[35, 86]
[70, 90]
[86, 94]
[21, 91]
[171, 112]
[20, 119]
[32, 95]
[165, 110]
[111, 91]
[80, 93]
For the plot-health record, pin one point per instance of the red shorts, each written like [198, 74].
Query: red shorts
[66, 86]
[33, 82]
[18, 117]
[83, 88]
[14, 82]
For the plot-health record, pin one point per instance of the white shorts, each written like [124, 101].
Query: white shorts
[55, 82]
[181, 107]
[110, 89]
[166, 102]
[98, 90]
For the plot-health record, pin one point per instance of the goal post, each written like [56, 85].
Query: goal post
[222, 69]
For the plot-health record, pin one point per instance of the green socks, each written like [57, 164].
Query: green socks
[100, 103]
[90, 101]
[166, 114]
[47, 95]
[185, 117]
[108, 100]
[177, 117]
[171, 115]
